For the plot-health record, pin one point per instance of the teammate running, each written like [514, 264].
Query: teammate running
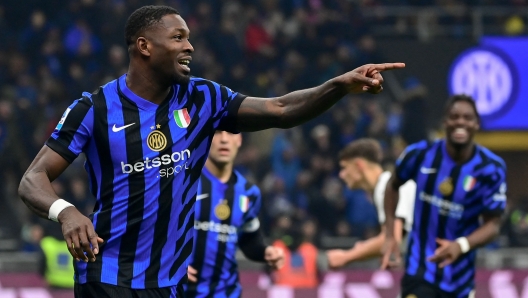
[460, 196]
[360, 163]
[146, 137]
[227, 208]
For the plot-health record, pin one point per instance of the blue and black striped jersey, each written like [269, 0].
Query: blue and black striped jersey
[144, 161]
[223, 212]
[450, 197]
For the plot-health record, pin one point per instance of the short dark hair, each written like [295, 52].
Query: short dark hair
[143, 18]
[461, 98]
[366, 148]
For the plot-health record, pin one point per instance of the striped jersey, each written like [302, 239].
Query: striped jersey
[144, 161]
[223, 212]
[449, 199]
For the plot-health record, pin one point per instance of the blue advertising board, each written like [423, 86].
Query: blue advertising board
[495, 74]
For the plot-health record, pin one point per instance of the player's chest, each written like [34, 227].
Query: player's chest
[175, 129]
[450, 187]
[222, 208]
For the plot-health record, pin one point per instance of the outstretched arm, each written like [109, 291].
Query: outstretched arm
[363, 250]
[300, 106]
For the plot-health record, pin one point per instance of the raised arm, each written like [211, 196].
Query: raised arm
[37, 193]
[300, 106]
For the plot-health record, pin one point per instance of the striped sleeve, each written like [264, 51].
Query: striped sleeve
[251, 221]
[407, 164]
[227, 103]
[495, 197]
[73, 130]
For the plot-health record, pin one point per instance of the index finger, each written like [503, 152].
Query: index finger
[389, 66]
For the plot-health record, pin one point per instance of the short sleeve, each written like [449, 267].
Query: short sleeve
[405, 208]
[73, 130]
[379, 195]
[407, 164]
[251, 221]
[225, 103]
[495, 197]
[381, 212]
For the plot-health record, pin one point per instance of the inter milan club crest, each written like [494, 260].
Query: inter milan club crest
[156, 140]
[222, 210]
[446, 187]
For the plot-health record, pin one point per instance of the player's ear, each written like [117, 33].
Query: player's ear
[239, 140]
[360, 163]
[143, 46]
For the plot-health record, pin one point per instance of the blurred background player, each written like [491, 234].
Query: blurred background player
[461, 195]
[226, 217]
[360, 163]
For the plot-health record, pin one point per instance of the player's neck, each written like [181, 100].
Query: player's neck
[372, 178]
[221, 171]
[460, 154]
[145, 85]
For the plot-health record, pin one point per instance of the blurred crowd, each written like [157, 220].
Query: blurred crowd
[51, 51]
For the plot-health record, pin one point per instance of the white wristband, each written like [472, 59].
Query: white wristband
[464, 244]
[56, 208]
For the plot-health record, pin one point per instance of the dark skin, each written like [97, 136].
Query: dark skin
[156, 64]
[461, 124]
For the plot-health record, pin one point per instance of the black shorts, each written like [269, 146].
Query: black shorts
[102, 290]
[413, 287]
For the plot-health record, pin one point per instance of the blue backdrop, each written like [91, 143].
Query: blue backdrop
[495, 73]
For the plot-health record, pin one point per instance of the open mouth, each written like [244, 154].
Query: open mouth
[460, 133]
[184, 63]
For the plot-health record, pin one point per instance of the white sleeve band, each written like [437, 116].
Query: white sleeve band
[464, 244]
[251, 226]
[56, 209]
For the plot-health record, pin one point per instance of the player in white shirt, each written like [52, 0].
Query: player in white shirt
[360, 163]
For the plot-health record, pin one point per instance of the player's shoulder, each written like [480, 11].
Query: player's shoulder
[490, 166]
[422, 146]
[490, 158]
[108, 89]
[379, 189]
[383, 180]
[201, 82]
[249, 187]
[197, 81]
[415, 149]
